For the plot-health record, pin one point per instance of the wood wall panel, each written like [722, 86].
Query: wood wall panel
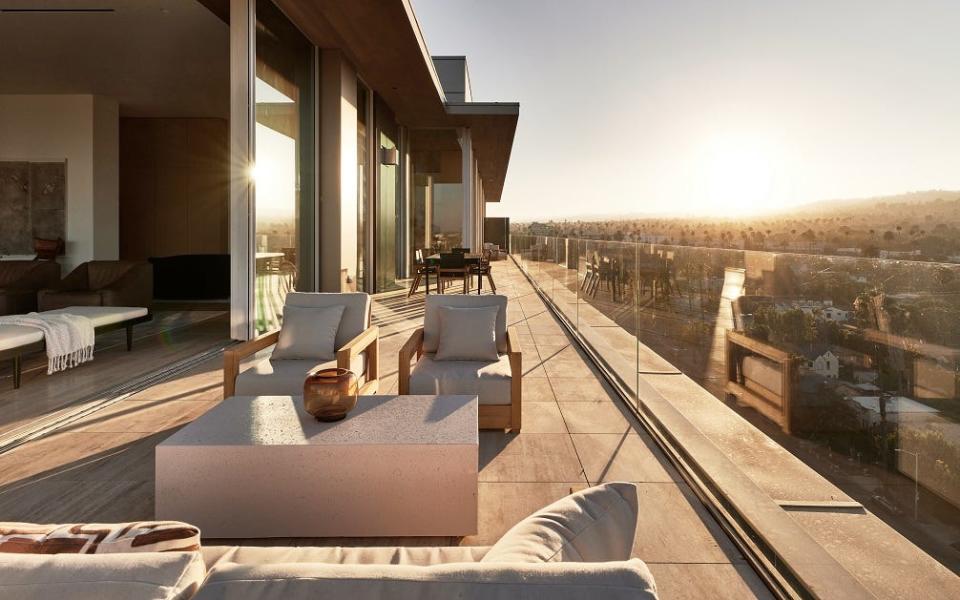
[174, 176]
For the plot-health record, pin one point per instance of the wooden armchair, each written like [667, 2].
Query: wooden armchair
[358, 349]
[497, 384]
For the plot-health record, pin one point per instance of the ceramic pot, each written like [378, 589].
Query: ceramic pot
[329, 394]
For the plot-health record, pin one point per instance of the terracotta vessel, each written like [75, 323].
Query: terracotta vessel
[329, 394]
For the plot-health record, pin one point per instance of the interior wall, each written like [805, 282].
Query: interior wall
[81, 130]
[174, 187]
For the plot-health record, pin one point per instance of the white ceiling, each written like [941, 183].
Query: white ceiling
[158, 58]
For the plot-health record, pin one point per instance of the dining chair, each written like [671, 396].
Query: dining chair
[423, 270]
[483, 269]
[452, 265]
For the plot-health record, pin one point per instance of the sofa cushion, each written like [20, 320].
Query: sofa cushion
[308, 333]
[468, 333]
[98, 538]
[144, 576]
[483, 581]
[595, 525]
[490, 381]
[356, 310]
[285, 377]
[431, 316]
[339, 555]
[103, 273]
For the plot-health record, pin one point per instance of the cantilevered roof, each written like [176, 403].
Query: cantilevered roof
[383, 40]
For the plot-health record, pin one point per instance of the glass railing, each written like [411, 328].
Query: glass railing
[852, 364]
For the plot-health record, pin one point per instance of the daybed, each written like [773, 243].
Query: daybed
[17, 340]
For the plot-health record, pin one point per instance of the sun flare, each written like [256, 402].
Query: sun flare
[739, 175]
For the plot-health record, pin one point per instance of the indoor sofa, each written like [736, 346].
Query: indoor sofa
[102, 283]
[20, 280]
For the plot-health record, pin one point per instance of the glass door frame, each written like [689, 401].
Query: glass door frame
[243, 22]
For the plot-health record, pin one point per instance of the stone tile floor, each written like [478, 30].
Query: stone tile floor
[575, 433]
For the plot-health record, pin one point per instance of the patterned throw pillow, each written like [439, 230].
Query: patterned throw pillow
[99, 538]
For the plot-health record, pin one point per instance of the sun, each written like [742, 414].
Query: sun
[738, 175]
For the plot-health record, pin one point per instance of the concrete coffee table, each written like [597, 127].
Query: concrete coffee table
[263, 467]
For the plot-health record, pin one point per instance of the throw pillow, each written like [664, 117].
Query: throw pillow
[468, 333]
[99, 538]
[308, 333]
[595, 525]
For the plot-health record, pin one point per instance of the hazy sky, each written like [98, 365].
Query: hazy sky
[711, 107]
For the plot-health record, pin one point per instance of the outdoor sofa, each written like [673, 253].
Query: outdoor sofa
[578, 547]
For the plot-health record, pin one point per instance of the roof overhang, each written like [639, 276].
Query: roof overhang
[492, 129]
[383, 40]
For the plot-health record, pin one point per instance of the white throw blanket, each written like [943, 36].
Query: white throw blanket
[69, 338]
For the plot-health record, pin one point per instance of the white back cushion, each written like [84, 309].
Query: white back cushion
[468, 333]
[597, 524]
[308, 333]
[356, 310]
[431, 317]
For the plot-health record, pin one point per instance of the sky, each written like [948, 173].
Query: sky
[711, 108]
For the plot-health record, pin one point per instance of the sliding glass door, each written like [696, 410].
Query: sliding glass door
[285, 165]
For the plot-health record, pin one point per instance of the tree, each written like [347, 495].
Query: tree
[888, 235]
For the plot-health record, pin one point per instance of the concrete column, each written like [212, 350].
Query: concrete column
[241, 184]
[469, 219]
[338, 173]
[428, 214]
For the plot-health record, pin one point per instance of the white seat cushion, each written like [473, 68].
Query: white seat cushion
[17, 336]
[285, 377]
[103, 315]
[480, 581]
[120, 576]
[490, 381]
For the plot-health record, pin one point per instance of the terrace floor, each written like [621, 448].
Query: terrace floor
[575, 433]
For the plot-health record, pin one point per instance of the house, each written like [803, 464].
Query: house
[821, 360]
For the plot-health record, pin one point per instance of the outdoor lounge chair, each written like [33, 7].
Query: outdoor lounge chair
[497, 383]
[357, 349]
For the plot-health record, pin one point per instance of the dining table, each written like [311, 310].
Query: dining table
[469, 259]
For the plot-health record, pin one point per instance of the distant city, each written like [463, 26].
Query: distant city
[914, 226]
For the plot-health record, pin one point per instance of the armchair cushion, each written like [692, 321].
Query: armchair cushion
[431, 317]
[489, 380]
[356, 310]
[468, 333]
[595, 525]
[285, 377]
[308, 333]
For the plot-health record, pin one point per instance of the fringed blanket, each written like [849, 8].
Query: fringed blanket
[69, 338]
